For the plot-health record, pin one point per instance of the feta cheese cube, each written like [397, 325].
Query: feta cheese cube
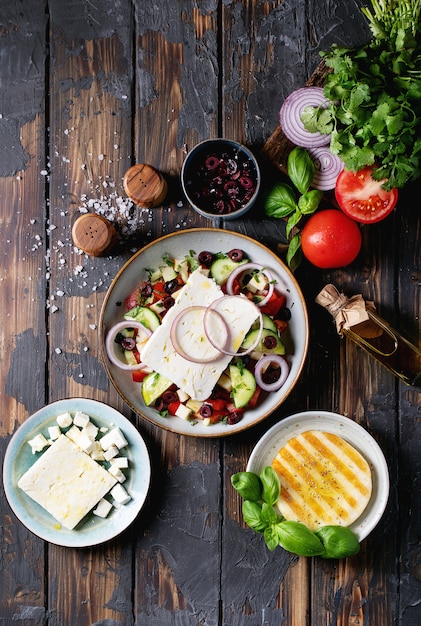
[111, 452]
[120, 461]
[38, 443]
[90, 430]
[103, 508]
[74, 434]
[119, 494]
[114, 437]
[183, 412]
[117, 473]
[64, 420]
[81, 419]
[54, 432]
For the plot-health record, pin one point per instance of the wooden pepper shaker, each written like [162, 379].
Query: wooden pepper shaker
[94, 234]
[145, 186]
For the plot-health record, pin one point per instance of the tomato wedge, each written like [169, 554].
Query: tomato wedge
[362, 198]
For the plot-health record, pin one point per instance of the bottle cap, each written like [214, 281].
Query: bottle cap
[145, 185]
[94, 234]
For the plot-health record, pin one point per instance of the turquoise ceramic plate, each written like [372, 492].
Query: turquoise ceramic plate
[91, 530]
[275, 438]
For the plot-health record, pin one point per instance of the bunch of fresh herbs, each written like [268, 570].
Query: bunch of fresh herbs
[374, 114]
[260, 494]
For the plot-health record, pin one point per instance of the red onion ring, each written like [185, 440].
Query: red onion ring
[110, 344]
[264, 362]
[176, 343]
[327, 167]
[250, 266]
[224, 350]
[290, 117]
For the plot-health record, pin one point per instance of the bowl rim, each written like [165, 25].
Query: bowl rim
[200, 147]
[109, 368]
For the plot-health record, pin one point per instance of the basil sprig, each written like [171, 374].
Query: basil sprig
[285, 202]
[260, 494]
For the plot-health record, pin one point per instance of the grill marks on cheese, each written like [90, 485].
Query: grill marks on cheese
[324, 480]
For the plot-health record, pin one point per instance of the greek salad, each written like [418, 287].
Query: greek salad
[203, 336]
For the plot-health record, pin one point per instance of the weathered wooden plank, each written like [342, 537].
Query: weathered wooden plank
[23, 341]
[178, 556]
[91, 148]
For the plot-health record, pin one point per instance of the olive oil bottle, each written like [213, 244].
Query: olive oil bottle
[357, 320]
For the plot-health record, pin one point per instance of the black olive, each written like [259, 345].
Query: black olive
[205, 258]
[206, 410]
[128, 343]
[171, 285]
[236, 254]
[284, 314]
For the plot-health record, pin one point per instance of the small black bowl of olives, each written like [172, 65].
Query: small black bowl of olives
[220, 178]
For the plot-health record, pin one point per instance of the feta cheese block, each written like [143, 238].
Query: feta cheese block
[66, 482]
[197, 379]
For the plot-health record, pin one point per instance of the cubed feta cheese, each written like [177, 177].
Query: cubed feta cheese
[119, 494]
[64, 420]
[81, 419]
[117, 473]
[120, 461]
[114, 437]
[38, 443]
[102, 508]
[54, 432]
[111, 452]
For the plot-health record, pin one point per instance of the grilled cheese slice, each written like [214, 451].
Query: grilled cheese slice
[324, 480]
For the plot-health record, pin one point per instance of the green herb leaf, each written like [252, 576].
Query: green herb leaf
[280, 201]
[271, 487]
[310, 201]
[248, 485]
[300, 168]
[271, 537]
[297, 538]
[339, 542]
[294, 254]
[252, 514]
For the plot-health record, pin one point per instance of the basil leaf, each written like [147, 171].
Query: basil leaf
[269, 515]
[293, 221]
[280, 201]
[252, 514]
[271, 537]
[310, 201]
[248, 485]
[339, 542]
[270, 483]
[297, 538]
[294, 254]
[300, 169]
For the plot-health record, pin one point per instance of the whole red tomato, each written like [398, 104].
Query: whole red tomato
[331, 239]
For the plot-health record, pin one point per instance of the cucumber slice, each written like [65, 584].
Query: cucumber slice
[145, 316]
[221, 268]
[243, 385]
[251, 337]
[129, 357]
[153, 386]
[267, 323]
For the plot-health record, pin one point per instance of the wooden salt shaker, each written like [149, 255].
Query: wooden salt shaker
[145, 186]
[94, 234]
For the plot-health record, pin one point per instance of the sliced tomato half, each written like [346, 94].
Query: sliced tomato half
[362, 198]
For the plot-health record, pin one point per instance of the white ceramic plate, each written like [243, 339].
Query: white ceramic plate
[268, 446]
[179, 245]
[91, 530]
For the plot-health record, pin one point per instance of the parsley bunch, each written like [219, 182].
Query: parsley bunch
[374, 114]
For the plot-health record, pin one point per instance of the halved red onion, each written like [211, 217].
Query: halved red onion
[261, 366]
[327, 167]
[111, 345]
[245, 268]
[232, 350]
[179, 335]
[290, 117]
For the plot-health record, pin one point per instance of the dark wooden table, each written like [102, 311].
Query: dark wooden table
[88, 89]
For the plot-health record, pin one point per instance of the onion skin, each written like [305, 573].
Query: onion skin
[327, 167]
[110, 343]
[290, 117]
[244, 268]
[211, 307]
[176, 344]
[264, 362]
